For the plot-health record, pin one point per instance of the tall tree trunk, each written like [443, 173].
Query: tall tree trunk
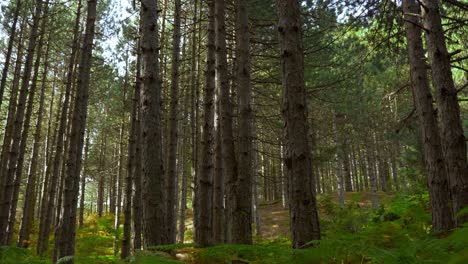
[30, 192]
[136, 177]
[131, 170]
[173, 126]
[303, 209]
[65, 242]
[453, 139]
[48, 203]
[154, 208]
[218, 181]
[83, 182]
[205, 182]
[9, 178]
[8, 134]
[26, 128]
[242, 209]
[229, 157]
[11, 41]
[194, 92]
[102, 179]
[435, 167]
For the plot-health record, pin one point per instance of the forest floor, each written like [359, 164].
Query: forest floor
[397, 232]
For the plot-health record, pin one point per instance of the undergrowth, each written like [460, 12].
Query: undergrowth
[399, 232]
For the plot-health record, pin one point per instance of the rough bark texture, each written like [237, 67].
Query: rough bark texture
[65, 242]
[49, 200]
[434, 160]
[205, 182]
[451, 130]
[131, 170]
[303, 209]
[136, 177]
[229, 157]
[173, 125]
[30, 192]
[154, 208]
[8, 133]
[9, 177]
[218, 182]
[242, 228]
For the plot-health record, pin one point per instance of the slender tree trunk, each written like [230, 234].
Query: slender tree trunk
[218, 181]
[9, 178]
[154, 207]
[434, 160]
[194, 87]
[173, 126]
[205, 182]
[48, 204]
[11, 41]
[131, 170]
[26, 128]
[136, 177]
[83, 182]
[229, 157]
[303, 209]
[451, 129]
[101, 180]
[65, 242]
[8, 134]
[30, 192]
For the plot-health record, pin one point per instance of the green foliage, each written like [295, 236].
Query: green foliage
[14, 255]
[396, 233]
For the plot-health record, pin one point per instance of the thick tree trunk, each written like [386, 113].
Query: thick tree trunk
[303, 209]
[452, 136]
[154, 208]
[65, 242]
[205, 180]
[229, 157]
[434, 160]
[242, 209]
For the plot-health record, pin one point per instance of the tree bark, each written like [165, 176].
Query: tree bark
[434, 160]
[48, 203]
[173, 126]
[30, 192]
[9, 178]
[229, 157]
[154, 207]
[451, 129]
[242, 209]
[65, 242]
[303, 209]
[205, 182]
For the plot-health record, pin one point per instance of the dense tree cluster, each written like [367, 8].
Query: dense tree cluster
[161, 111]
